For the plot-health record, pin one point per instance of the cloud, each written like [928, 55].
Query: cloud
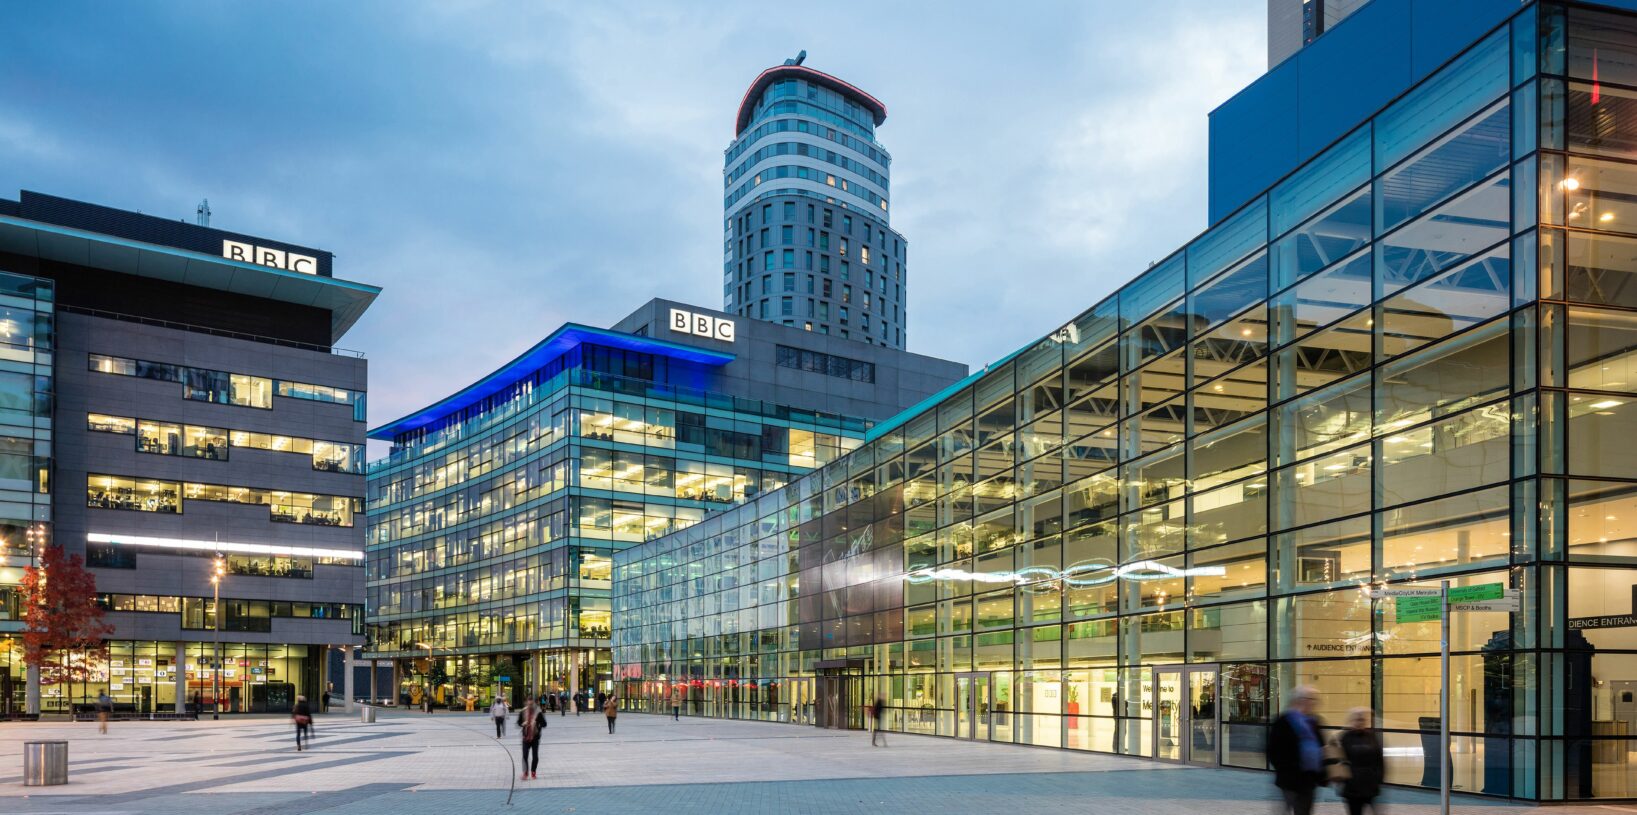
[501, 168]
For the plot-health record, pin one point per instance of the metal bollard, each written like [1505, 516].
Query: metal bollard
[366, 714]
[45, 763]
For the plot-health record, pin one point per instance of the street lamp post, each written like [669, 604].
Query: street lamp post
[217, 572]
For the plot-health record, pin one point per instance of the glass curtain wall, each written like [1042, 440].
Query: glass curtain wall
[1408, 362]
[495, 534]
[27, 331]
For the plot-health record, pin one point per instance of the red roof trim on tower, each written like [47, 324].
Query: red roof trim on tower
[767, 77]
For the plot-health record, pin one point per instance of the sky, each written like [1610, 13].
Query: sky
[501, 168]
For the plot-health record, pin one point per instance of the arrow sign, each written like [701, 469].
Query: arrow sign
[1510, 606]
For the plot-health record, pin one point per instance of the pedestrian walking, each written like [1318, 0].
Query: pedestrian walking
[531, 721]
[198, 704]
[579, 703]
[676, 708]
[602, 699]
[878, 715]
[562, 697]
[1295, 752]
[1361, 765]
[499, 712]
[611, 709]
[105, 708]
[427, 700]
[550, 701]
[302, 715]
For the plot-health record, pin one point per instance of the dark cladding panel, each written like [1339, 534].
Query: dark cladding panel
[147, 228]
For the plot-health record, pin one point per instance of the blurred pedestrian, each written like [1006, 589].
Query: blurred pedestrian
[499, 712]
[302, 715]
[1295, 752]
[105, 709]
[532, 722]
[878, 715]
[1362, 757]
[611, 709]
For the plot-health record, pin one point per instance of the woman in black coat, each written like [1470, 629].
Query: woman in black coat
[1361, 750]
[531, 722]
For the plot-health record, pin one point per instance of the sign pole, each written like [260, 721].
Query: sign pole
[1443, 700]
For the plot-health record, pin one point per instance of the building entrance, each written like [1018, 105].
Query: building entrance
[972, 706]
[1185, 714]
[840, 700]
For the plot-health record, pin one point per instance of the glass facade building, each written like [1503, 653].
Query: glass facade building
[807, 241]
[166, 405]
[494, 521]
[1413, 359]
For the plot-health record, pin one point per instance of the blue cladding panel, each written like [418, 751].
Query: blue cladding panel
[1253, 140]
[1353, 78]
[1329, 87]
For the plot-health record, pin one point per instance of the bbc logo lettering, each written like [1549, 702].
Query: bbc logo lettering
[275, 258]
[701, 325]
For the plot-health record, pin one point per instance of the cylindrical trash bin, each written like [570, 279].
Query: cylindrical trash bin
[45, 763]
[366, 714]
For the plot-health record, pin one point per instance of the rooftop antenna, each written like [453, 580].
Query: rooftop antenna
[800, 58]
[201, 215]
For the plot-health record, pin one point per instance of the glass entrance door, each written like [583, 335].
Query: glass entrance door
[832, 702]
[801, 701]
[972, 706]
[1185, 714]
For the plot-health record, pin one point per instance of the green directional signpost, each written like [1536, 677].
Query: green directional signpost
[1423, 605]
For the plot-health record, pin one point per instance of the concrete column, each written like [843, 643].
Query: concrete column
[31, 690]
[374, 670]
[179, 667]
[347, 654]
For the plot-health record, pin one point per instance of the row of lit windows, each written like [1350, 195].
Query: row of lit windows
[152, 495]
[809, 174]
[224, 388]
[787, 148]
[212, 443]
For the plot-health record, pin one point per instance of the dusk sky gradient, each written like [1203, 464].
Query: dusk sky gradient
[501, 168]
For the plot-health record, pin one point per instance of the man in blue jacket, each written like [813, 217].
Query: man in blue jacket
[1296, 752]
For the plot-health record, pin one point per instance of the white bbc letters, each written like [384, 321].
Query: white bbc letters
[701, 325]
[263, 256]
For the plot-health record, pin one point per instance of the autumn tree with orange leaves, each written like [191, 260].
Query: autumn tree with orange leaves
[61, 617]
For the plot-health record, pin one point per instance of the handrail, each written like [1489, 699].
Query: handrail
[200, 329]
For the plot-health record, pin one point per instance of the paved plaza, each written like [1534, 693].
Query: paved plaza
[410, 763]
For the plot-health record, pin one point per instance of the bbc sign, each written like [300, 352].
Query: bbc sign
[701, 325]
[261, 255]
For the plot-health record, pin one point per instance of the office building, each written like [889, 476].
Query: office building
[494, 520]
[1404, 353]
[807, 241]
[173, 394]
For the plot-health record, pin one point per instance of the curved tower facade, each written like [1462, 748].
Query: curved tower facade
[807, 241]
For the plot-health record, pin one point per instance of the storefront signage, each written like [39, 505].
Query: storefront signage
[701, 325]
[276, 258]
[1612, 621]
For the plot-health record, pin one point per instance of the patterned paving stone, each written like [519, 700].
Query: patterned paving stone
[412, 763]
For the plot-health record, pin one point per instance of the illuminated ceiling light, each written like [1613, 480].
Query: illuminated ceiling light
[1606, 404]
[1606, 217]
[223, 546]
[1571, 183]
